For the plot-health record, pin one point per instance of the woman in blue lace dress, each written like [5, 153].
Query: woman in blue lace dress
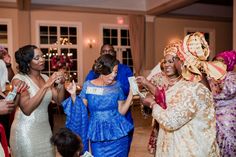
[108, 128]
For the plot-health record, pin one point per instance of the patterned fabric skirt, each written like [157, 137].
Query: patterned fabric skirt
[114, 148]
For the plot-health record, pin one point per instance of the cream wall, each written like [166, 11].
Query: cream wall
[168, 29]
[12, 15]
[165, 30]
[91, 28]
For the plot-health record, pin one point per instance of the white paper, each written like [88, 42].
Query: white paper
[11, 95]
[134, 87]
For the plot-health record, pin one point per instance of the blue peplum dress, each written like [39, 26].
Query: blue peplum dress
[122, 76]
[108, 129]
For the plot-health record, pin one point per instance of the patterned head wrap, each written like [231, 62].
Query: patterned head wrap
[195, 52]
[229, 59]
[174, 49]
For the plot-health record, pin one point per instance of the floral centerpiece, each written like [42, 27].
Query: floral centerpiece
[61, 62]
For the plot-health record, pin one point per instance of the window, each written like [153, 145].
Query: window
[119, 38]
[57, 42]
[6, 34]
[3, 33]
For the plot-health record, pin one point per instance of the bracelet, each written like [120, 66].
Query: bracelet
[152, 104]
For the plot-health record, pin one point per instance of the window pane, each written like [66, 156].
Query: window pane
[45, 52]
[3, 29]
[73, 40]
[43, 30]
[124, 42]
[129, 53]
[43, 40]
[64, 51]
[125, 61]
[106, 40]
[114, 33]
[53, 39]
[52, 53]
[53, 30]
[64, 31]
[72, 31]
[74, 66]
[47, 64]
[130, 62]
[114, 41]
[3, 39]
[124, 54]
[106, 32]
[49, 35]
[64, 36]
[124, 33]
[74, 76]
[74, 53]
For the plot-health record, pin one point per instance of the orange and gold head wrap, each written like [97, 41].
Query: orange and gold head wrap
[195, 51]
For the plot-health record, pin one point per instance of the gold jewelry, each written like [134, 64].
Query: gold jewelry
[171, 82]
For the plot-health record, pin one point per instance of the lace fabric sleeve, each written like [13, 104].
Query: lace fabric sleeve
[181, 108]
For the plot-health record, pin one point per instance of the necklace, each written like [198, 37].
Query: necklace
[172, 81]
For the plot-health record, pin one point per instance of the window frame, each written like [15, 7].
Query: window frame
[78, 46]
[119, 48]
[9, 44]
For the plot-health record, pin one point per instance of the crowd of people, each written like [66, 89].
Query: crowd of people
[192, 101]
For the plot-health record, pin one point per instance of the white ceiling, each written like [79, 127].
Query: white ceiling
[140, 5]
[135, 5]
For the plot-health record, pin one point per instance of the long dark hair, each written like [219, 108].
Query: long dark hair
[24, 56]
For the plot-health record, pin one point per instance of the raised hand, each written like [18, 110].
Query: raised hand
[71, 88]
[55, 76]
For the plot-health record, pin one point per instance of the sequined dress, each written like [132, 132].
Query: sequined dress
[30, 135]
[226, 116]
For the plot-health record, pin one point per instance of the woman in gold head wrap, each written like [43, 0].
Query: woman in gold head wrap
[187, 125]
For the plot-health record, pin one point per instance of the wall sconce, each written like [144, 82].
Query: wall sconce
[91, 42]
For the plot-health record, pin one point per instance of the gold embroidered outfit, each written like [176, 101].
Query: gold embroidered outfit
[187, 126]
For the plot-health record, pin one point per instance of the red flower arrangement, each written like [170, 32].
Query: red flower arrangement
[61, 61]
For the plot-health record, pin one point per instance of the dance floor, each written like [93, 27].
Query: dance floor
[141, 132]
